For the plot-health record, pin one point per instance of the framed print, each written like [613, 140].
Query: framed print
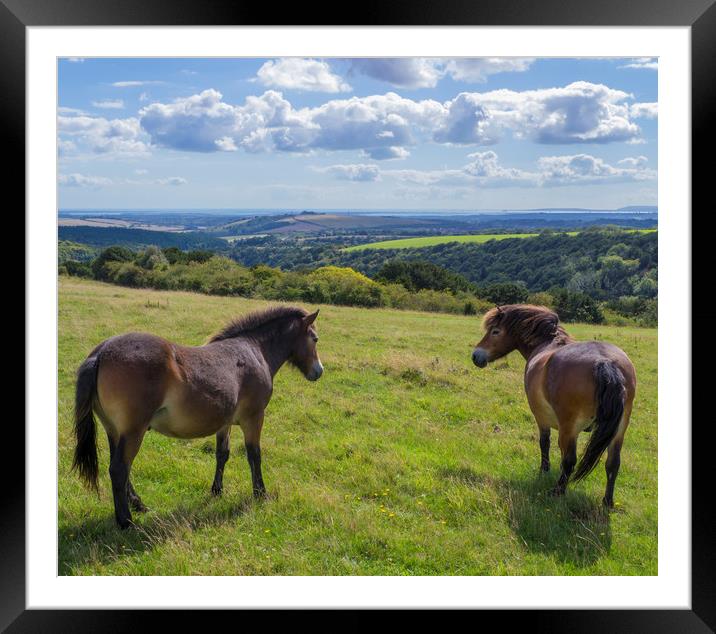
[434, 271]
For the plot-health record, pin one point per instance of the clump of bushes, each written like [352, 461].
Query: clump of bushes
[171, 269]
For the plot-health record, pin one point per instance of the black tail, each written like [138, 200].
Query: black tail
[85, 431]
[610, 408]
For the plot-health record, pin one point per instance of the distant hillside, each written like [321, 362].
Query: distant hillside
[137, 238]
[603, 264]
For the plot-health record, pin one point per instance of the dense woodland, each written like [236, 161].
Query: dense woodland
[595, 276]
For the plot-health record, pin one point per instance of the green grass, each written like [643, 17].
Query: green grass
[429, 241]
[404, 459]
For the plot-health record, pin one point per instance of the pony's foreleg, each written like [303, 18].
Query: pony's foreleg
[251, 426]
[120, 464]
[568, 448]
[222, 455]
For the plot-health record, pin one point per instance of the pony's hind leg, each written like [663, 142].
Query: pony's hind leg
[612, 467]
[222, 455]
[135, 502]
[544, 448]
[568, 448]
[120, 464]
[613, 461]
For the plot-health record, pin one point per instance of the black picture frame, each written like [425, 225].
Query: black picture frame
[700, 15]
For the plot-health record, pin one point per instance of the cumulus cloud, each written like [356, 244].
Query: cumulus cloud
[585, 169]
[301, 74]
[634, 161]
[478, 69]
[385, 126]
[484, 170]
[110, 104]
[103, 136]
[388, 153]
[644, 110]
[416, 72]
[362, 172]
[401, 72]
[650, 63]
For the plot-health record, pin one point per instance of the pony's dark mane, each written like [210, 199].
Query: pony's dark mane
[259, 321]
[532, 325]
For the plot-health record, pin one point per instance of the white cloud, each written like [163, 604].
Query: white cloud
[401, 72]
[388, 153]
[80, 180]
[385, 126]
[581, 112]
[174, 181]
[103, 136]
[484, 170]
[301, 74]
[69, 111]
[477, 69]
[111, 104]
[584, 169]
[634, 161]
[417, 72]
[644, 110]
[76, 60]
[132, 83]
[650, 63]
[357, 172]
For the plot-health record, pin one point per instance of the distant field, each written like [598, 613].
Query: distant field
[429, 241]
[403, 459]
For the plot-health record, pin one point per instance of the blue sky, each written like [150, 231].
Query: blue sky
[413, 133]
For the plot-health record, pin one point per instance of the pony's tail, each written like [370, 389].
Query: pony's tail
[610, 393]
[85, 461]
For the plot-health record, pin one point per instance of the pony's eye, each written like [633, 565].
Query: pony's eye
[496, 331]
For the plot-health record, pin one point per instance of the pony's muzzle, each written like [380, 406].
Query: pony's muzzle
[316, 371]
[479, 357]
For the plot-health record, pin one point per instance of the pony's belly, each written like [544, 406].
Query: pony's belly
[175, 425]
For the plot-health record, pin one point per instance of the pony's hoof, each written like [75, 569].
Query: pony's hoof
[124, 524]
[608, 504]
[556, 492]
[139, 507]
[260, 494]
[216, 491]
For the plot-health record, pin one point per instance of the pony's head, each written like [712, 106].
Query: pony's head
[304, 353]
[508, 328]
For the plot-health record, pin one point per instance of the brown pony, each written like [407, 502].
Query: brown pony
[571, 387]
[137, 382]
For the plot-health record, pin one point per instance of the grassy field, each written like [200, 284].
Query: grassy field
[429, 241]
[404, 459]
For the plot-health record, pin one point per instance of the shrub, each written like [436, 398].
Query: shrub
[338, 285]
[505, 293]
[110, 254]
[571, 306]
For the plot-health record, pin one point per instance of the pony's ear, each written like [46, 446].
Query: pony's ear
[309, 319]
